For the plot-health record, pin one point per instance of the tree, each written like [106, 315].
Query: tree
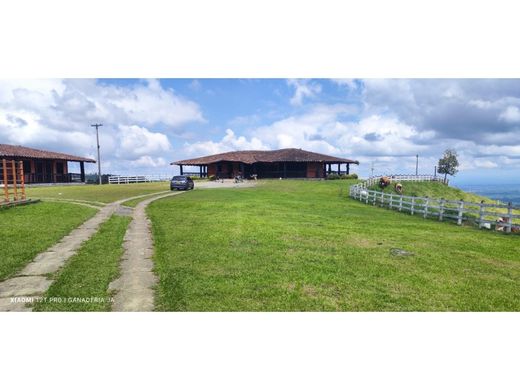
[448, 163]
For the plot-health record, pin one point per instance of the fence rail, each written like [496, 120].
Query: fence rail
[119, 179]
[500, 216]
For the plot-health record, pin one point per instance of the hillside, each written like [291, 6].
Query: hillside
[433, 189]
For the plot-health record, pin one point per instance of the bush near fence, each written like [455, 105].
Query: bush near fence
[460, 211]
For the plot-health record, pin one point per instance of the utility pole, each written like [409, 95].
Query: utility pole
[416, 165]
[372, 170]
[97, 126]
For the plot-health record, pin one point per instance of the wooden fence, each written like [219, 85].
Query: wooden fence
[12, 181]
[499, 216]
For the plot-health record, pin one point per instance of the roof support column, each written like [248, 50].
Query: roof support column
[200, 170]
[82, 171]
[339, 168]
[181, 169]
[348, 168]
[285, 170]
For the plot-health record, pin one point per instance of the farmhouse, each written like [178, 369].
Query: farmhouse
[41, 166]
[285, 163]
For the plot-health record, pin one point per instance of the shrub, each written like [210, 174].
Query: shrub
[212, 178]
[349, 177]
[333, 176]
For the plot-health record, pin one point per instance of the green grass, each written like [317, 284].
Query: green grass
[134, 202]
[300, 246]
[433, 190]
[89, 272]
[95, 193]
[31, 229]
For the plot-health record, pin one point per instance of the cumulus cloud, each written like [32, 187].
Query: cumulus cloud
[138, 141]
[228, 143]
[303, 89]
[56, 115]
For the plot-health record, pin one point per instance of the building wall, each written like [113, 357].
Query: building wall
[314, 170]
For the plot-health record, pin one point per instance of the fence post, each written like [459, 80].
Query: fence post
[481, 214]
[391, 203]
[441, 209]
[509, 217]
[412, 206]
[382, 199]
[461, 210]
[368, 194]
[400, 203]
[425, 211]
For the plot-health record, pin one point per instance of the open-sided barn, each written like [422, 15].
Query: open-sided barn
[285, 163]
[42, 166]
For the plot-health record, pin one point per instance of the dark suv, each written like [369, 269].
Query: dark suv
[181, 183]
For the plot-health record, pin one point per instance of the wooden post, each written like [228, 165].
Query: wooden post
[425, 211]
[22, 179]
[509, 218]
[339, 169]
[441, 209]
[284, 170]
[181, 169]
[200, 170]
[13, 170]
[461, 210]
[390, 204]
[382, 199]
[412, 206]
[368, 194]
[82, 171]
[6, 182]
[400, 203]
[481, 214]
[348, 168]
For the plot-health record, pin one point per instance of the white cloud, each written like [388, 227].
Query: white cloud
[510, 115]
[228, 143]
[137, 141]
[56, 115]
[149, 162]
[303, 89]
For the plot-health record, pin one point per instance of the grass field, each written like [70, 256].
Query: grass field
[29, 230]
[433, 190]
[304, 246]
[88, 273]
[95, 193]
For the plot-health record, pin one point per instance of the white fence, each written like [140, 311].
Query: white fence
[138, 179]
[499, 216]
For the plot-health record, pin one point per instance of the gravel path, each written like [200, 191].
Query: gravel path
[134, 288]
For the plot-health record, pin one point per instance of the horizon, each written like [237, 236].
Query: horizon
[147, 124]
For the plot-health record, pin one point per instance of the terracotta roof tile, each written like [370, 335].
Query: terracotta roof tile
[17, 151]
[254, 156]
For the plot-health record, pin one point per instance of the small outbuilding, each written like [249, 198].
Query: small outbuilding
[285, 163]
[42, 166]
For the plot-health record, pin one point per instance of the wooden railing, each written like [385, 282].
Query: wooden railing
[12, 181]
[499, 216]
[119, 179]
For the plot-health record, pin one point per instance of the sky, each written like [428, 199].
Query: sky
[383, 123]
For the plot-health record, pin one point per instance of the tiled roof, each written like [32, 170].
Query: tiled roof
[17, 151]
[255, 156]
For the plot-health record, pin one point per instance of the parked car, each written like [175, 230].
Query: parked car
[181, 183]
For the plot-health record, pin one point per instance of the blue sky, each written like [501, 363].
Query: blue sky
[384, 122]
